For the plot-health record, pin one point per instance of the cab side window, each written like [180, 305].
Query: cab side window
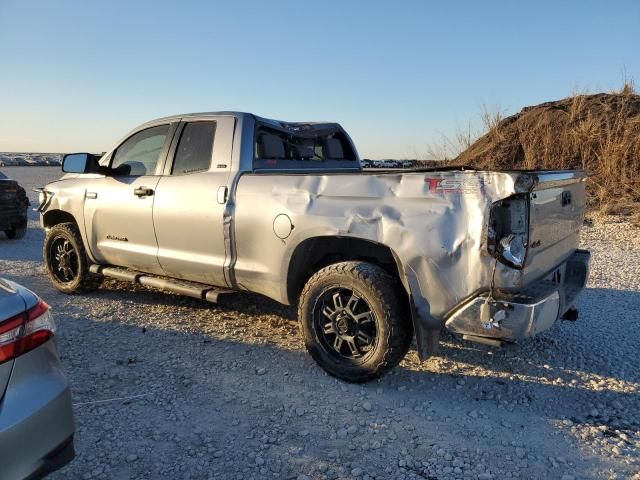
[139, 154]
[193, 153]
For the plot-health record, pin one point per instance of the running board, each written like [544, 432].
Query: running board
[182, 287]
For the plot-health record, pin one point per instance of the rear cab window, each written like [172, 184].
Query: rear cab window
[195, 148]
[299, 146]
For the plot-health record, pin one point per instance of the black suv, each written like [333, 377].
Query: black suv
[13, 208]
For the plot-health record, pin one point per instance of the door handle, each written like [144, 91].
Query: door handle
[143, 192]
[92, 195]
[223, 192]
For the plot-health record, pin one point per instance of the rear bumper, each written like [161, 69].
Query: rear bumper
[525, 313]
[36, 419]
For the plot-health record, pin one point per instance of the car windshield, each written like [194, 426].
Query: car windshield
[2, 176]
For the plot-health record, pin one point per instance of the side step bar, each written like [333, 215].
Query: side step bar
[182, 287]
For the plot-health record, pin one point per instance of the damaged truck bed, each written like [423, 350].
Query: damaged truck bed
[222, 202]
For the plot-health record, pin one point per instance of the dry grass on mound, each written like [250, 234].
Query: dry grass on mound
[599, 133]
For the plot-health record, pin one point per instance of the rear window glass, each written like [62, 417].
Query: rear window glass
[279, 149]
[194, 149]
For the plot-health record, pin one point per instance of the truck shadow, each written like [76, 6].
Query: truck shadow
[197, 394]
[563, 350]
[556, 371]
[241, 302]
[524, 373]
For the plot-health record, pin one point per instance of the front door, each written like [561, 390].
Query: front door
[118, 208]
[188, 213]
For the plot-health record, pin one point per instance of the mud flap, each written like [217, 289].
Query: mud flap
[427, 340]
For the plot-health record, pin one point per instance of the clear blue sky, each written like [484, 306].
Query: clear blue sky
[76, 75]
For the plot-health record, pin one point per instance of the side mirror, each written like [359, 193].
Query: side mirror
[75, 163]
[80, 163]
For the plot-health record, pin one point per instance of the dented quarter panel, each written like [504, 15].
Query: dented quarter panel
[437, 234]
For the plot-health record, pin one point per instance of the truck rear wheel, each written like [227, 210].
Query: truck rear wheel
[353, 321]
[66, 260]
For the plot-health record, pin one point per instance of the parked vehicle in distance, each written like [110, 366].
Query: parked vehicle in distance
[365, 163]
[207, 204]
[389, 164]
[13, 208]
[408, 163]
[36, 419]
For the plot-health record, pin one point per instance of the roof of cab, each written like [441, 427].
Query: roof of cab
[228, 113]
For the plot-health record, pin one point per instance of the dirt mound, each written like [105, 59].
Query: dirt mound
[599, 133]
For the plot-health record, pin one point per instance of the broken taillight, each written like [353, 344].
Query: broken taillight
[508, 234]
[26, 331]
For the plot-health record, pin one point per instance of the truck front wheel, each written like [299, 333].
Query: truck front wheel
[66, 260]
[353, 320]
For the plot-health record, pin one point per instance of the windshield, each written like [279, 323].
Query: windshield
[2, 176]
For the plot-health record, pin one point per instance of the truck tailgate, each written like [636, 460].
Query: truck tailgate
[557, 207]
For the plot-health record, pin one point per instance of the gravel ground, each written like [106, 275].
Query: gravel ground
[169, 387]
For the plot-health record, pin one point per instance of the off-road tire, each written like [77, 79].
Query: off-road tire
[382, 293]
[83, 280]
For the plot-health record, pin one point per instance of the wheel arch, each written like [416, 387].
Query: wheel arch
[315, 253]
[54, 217]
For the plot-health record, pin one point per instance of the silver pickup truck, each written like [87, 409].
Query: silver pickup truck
[211, 203]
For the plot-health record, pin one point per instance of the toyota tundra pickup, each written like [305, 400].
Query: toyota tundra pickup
[213, 203]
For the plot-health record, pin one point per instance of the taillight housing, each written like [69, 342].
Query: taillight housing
[26, 331]
[508, 235]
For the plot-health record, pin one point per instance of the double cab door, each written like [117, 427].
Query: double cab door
[161, 208]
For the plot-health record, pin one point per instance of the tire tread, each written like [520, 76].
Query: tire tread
[386, 289]
[88, 282]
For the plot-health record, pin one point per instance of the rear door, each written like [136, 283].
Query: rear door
[191, 197]
[118, 208]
